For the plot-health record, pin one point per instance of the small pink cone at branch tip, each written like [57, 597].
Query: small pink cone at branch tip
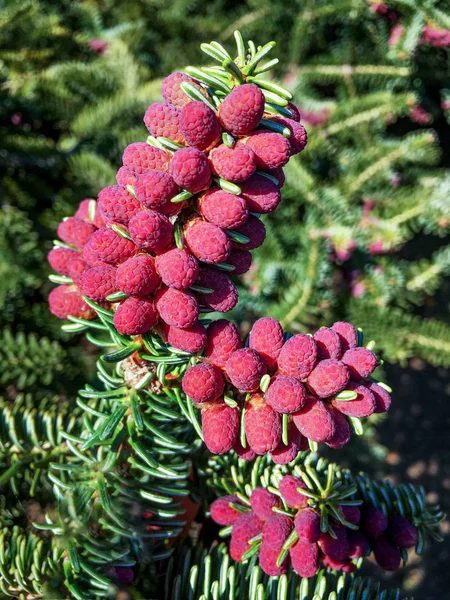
[223, 340]
[347, 334]
[374, 522]
[222, 208]
[66, 300]
[342, 430]
[224, 514]
[286, 394]
[284, 454]
[203, 383]
[307, 525]
[358, 544]
[272, 149]
[387, 555]
[261, 194]
[137, 276]
[199, 126]
[172, 91]
[162, 119]
[382, 397]
[117, 204]
[262, 425]
[236, 164]
[242, 110]
[245, 367]
[208, 242]
[262, 501]
[59, 259]
[178, 268]
[255, 230]
[75, 232]
[336, 548]
[84, 213]
[109, 247]
[245, 528]
[268, 557]
[288, 487]
[328, 343]
[361, 362]
[177, 308]
[151, 230]
[125, 176]
[245, 453]
[155, 190]
[329, 377]
[315, 421]
[241, 260]
[98, 282]
[362, 406]
[190, 169]
[220, 426]
[276, 530]
[191, 339]
[267, 338]
[402, 532]
[224, 295]
[352, 514]
[304, 558]
[298, 356]
[140, 158]
[298, 138]
[135, 316]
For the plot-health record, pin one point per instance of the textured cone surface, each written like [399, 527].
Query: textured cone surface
[288, 487]
[304, 558]
[262, 425]
[267, 338]
[224, 514]
[315, 421]
[220, 425]
[262, 501]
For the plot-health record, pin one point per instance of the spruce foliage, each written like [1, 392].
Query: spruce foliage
[98, 460]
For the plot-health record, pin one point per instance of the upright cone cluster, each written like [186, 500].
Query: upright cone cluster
[284, 525]
[279, 392]
[160, 246]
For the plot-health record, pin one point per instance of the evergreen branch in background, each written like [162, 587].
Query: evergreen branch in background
[414, 148]
[405, 335]
[332, 73]
[20, 260]
[426, 276]
[94, 169]
[29, 361]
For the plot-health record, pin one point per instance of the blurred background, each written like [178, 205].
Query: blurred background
[362, 230]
